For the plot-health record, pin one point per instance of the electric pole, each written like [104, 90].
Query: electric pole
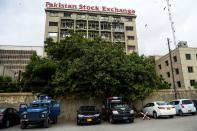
[172, 70]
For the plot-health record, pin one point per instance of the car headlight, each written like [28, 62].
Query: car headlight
[44, 114]
[80, 115]
[97, 115]
[115, 112]
[131, 112]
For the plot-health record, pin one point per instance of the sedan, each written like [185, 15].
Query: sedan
[88, 114]
[9, 117]
[159, 108]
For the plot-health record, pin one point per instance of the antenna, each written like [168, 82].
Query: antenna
[171, 22]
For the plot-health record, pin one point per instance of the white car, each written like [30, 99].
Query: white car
[184, 106]
[159, 108]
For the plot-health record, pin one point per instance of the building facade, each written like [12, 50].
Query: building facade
[111, 24]
[184, 64]
[15, 58]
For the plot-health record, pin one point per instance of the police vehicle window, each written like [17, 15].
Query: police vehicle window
[45, 104]
[34, 105]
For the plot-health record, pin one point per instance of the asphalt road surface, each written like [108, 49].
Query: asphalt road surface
[186, 123]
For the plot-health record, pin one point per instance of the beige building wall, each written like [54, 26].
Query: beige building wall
[126, 21]
[180, 67]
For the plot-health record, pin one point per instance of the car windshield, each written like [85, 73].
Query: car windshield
[2, 110]
[35, 105]
[162, 103]
[88, 108]
[186, 102]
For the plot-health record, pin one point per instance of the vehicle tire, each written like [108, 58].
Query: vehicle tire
[111, 120]
[7, 124]
[171, 116]
[193, 113]
[181, 113]
[155, 115]
[23, 125]
[46, 123]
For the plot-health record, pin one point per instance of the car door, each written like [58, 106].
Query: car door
[146, 108]
[151, 109]
[176, 105]
[9, 116]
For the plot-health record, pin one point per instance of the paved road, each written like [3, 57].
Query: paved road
[186, 123]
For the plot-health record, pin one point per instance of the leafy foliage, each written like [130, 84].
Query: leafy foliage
[85, 67]
[8, 85]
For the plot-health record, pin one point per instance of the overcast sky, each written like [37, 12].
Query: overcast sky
[23, 21]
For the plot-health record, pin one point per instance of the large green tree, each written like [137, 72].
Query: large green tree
[86, 67]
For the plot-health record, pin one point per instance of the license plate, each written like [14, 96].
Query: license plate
[189, 110]
[125, 118]
[89, 120]
[168, 108]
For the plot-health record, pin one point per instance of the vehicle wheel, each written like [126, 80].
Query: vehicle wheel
[155, 115]
[193, 113]
[171, 116]
[46, 123]
[181, 113]
[111, 120]
[23, 125]
[7, 123]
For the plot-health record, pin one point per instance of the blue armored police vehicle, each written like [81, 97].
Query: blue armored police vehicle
[42, 111]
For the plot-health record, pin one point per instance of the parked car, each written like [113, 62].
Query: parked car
[159, 109]
[9, 117]
[88, 114]
[42, 111]
[184, 106]
[195, 103]
[114, 109]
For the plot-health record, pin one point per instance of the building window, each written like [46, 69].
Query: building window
[129, 19]
[167, 63]
[168, 74]
[130, 37]
[130, 48]
[177, 71]
[129, 28]
[67, 14]
[190, 69]
[53, 23]
[53, 14]
[175, 59]
[179, 84]
[192, 82]
[188, 56]
[159, 66]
